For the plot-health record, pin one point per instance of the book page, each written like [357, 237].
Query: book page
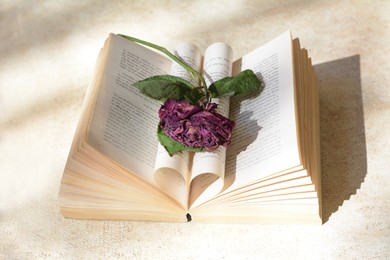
[265, 138]
[172, 174]
[208, 168]
[123, 124]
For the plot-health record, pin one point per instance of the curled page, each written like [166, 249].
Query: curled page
[265, 139]
[123, 120]
[208, 170]
[172, 174]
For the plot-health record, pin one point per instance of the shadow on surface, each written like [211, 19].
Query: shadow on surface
[343, 144]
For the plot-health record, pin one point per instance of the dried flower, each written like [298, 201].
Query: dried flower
[194, 125]
[188, 120]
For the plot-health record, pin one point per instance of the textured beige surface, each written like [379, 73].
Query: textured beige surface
[47, 54]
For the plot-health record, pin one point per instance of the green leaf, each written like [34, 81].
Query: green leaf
[172, 146]
[164, 87]
[245, 82]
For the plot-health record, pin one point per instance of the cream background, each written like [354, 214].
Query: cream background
[47, 55]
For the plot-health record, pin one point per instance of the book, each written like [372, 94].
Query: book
[270, 173]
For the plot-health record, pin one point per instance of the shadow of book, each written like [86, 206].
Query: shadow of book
[343, 144]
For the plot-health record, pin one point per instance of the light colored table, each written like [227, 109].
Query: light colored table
[47, 55]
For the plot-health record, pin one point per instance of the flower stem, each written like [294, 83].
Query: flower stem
[194, 73]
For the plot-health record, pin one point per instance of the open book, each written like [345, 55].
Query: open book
[270, 173]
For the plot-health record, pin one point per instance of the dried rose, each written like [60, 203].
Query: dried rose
[184, 126]
[194, 125]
